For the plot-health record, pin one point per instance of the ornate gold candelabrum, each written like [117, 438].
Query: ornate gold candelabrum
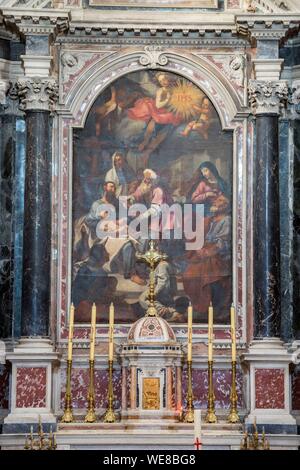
[233, 415]
[41, 440]
[91, 416]
[68, 413]
[210, 415]
[189, 415]
[254, 441]
[109, 416]
[152, 258]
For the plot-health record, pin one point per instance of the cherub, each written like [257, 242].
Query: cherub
[202, 123]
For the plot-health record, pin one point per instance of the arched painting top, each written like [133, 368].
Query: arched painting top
[93, 80]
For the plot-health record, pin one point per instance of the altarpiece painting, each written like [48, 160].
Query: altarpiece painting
[152, 138]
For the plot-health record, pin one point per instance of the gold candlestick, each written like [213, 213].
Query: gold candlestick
[109, 416]
[68, 413]
[91, 416]
[189, 416]
[210, 415]
[190, 326]
[233, 415]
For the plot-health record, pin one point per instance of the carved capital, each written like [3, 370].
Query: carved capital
[38, 94]
[153, 57]
[267, 97]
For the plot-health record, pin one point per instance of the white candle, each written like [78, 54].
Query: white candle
[210, 332]
[233, 338]
[190, 324]
[197, 424]
[111, 332]
[93, 333]
[71, 327]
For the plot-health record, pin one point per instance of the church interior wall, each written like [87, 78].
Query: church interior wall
[87, 60]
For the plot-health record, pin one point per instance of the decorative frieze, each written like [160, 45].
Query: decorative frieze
[262, 26]
[267, 97]
[37, 94]
[37, 21]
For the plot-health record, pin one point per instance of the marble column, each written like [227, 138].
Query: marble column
[7, 157]
[37, 220]
[266, 229]
[295, 209]
[286, 178]
[33, 357]
[36, 97]
[265, 98]
[267, 357]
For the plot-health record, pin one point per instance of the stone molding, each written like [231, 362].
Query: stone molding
[90, 21]
[77, 95]
[37, 94]
[37, 21]
[267, 69]
[267, 97]
[36, 65]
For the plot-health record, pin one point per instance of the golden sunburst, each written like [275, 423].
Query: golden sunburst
[183, 97]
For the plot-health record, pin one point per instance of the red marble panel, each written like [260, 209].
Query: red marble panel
[80, 384]
[269, 388]
[296, 390]
[31, 387]
[222, 388]
[4, 386]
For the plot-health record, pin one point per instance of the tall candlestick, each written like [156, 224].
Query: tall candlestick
[190, 323]
[93, 333]
[233, 338]
[91, 416]
[210, 332]
[109, 416]
[71, 327]
[111, 332]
